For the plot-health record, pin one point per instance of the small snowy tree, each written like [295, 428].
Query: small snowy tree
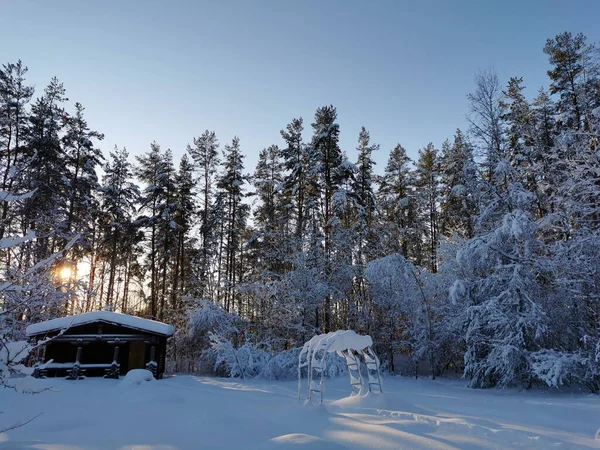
[503, 320]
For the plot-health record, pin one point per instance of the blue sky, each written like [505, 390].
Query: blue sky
[168, 70]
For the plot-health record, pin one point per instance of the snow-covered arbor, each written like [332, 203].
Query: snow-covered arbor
[355, 349]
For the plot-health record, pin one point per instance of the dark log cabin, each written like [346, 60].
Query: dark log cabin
[100, 343]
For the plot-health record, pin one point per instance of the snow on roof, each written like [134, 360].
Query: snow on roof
[340, 340]
[138, 323]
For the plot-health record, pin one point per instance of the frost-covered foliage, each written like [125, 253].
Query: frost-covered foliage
[503, 319]
[245, 361]
[255, 360]
[12, 354]
[189, 344]
[206, 317]
[556, 369]
[408, 302]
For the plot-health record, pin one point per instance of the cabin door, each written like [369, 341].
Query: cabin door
[137, 356]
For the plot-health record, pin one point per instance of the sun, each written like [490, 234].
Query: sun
[65, 273]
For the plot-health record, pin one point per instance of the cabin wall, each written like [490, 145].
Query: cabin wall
[98, 347]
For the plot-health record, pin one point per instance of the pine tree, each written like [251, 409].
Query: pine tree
[149, 171]
[272, 209]
[399, 207]
[231, 191]
[325, 143]
[459, 188]
[205, 155]
[166, 225]
[364, 190]
[184, 208]
[574, 77]
[15, 96]
[118, 230]
[427, 175]
[297, 162]
[503, 318]
[47, 173]
[82, 160]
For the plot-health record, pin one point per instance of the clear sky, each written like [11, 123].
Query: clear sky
[168, 70]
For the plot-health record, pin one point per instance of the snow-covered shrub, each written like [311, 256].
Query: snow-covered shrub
[246, 361]
[503, 320]
[206, 318]
[407, 305]
[335, 366]
[12, 354]
[188, 346]
[556, 369]
[284, 366]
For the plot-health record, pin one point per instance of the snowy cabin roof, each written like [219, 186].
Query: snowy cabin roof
[150, 326]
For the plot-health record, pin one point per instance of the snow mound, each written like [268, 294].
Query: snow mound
[30, 385]
[136, 377]
[305, 440]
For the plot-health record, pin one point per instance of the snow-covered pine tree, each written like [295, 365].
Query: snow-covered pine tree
[363, 188]
[459, 188]
[299, 165]
[271, 213]
[119, 232]
[398, 204]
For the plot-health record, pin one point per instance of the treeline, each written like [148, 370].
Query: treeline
[482, 255]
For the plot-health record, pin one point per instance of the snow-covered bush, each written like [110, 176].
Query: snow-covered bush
[556, 369]
[282, 366]
[12, 354]
[252, 360]
[503, 320]
[246, 361]
[407, 305]
[188, 346]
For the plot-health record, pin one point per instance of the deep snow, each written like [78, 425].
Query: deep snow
[188, 412]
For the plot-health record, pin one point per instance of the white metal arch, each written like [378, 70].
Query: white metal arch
[355, 349]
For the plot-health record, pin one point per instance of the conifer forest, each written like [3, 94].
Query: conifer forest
[480, 257]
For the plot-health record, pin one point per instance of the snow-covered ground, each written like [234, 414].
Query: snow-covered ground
[188, 412]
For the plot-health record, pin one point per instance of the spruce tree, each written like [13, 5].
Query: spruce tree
[459, 188]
